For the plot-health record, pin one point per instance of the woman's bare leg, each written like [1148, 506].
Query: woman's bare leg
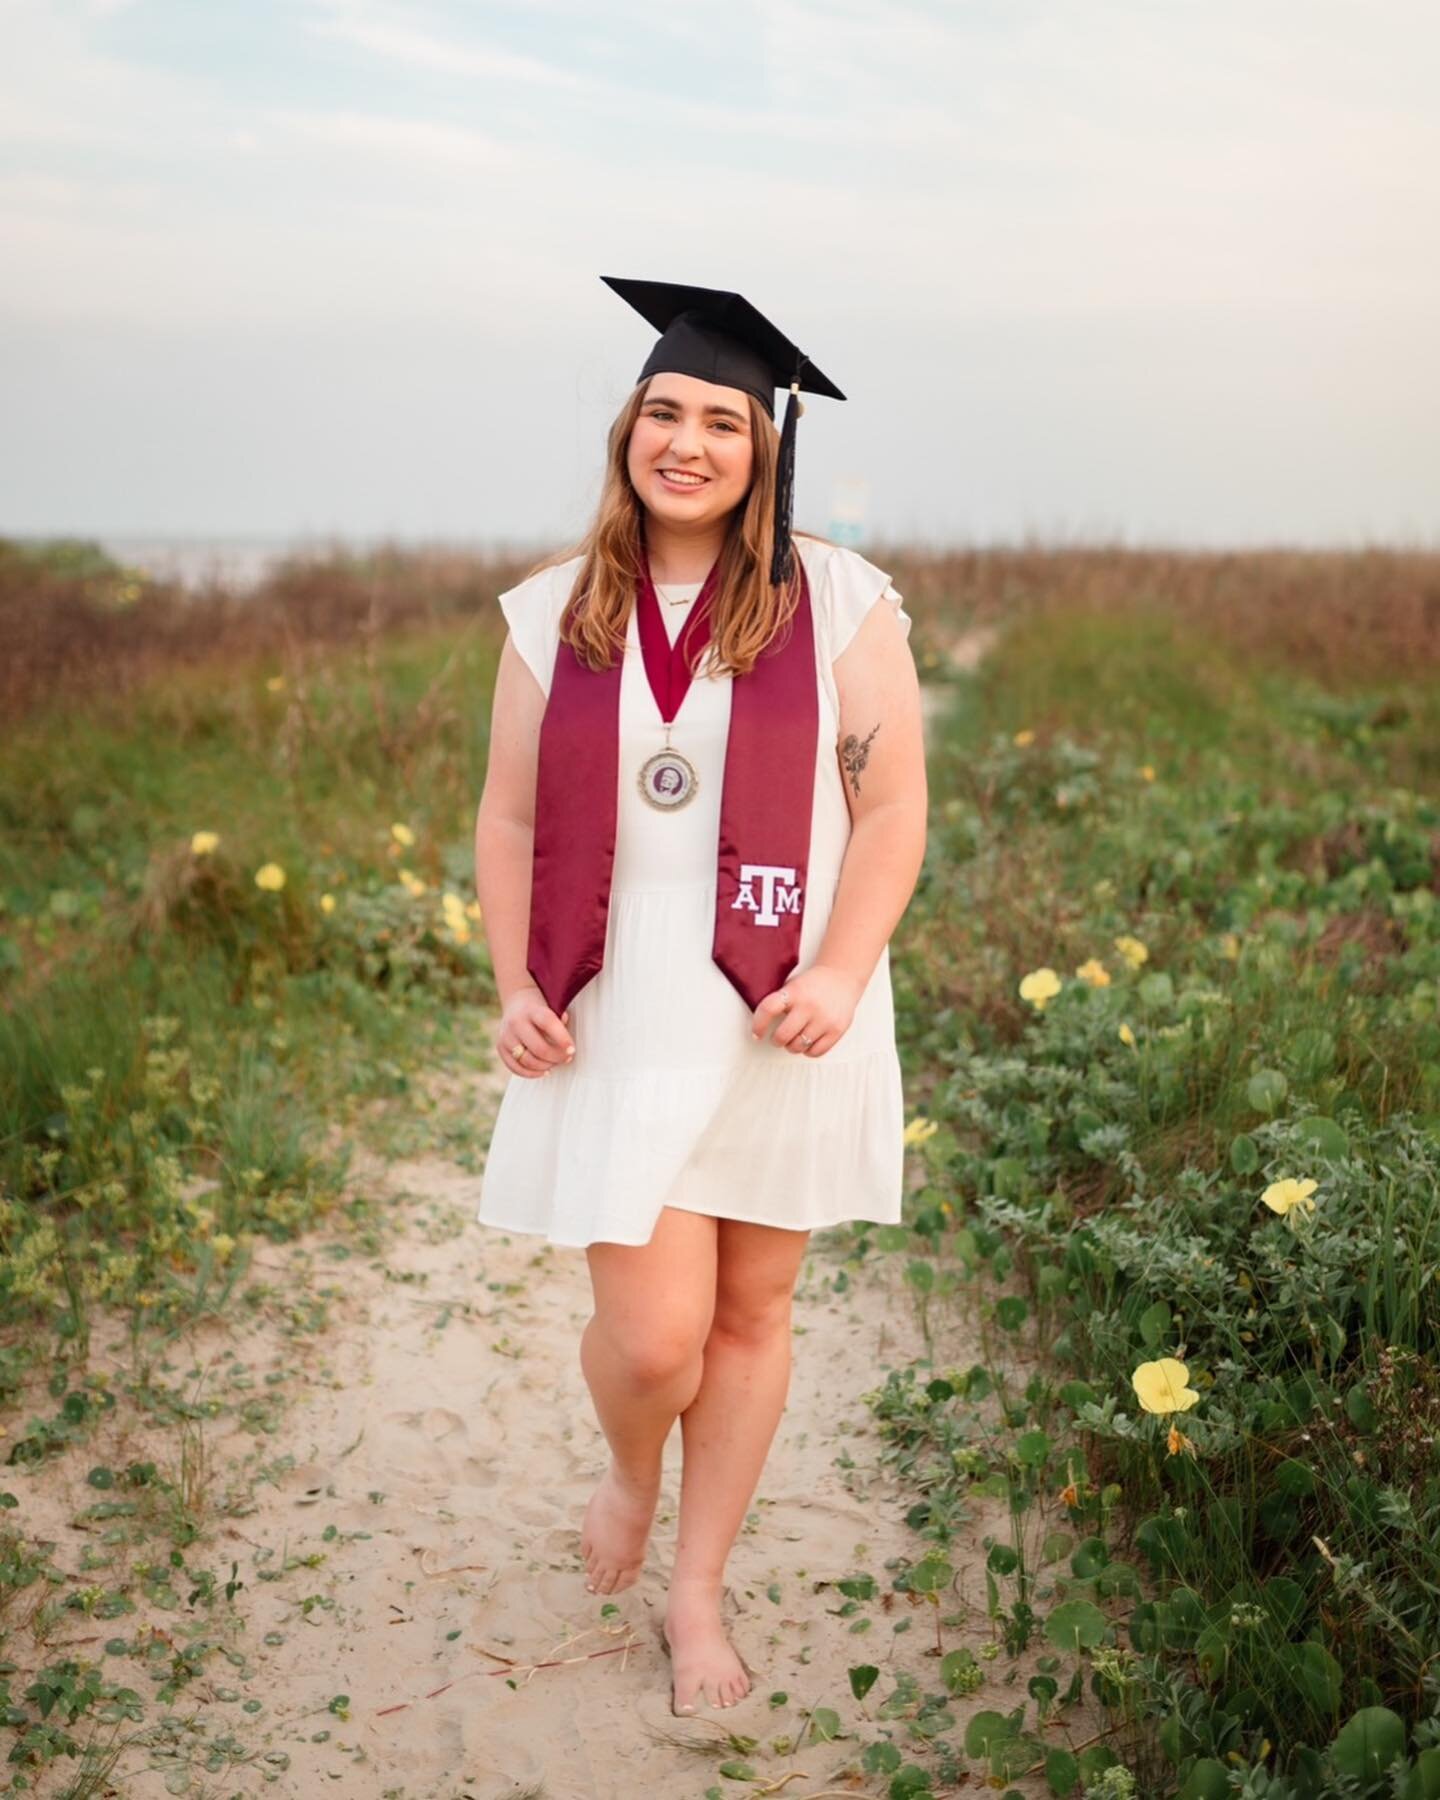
[641, 1355]
[727, 1430]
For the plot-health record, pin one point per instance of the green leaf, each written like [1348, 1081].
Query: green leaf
[1207, 1780]
[880, 1759]
[1076, 1394]
[920, 1275]
[912, 1783]
[1316, 1672]
[862, 1679]
[929, 1575]
[1075, 1624]
[1244, 1154]
[1294, 1479]
[1155, 990]
[1062, 1771]
[1360, 1411]
[892, 1237]
[1324, 1136]
[1265, 1090]
[1090, 1558]
[736, 1770]
[1002, 1559]
[1424, 1779]
[985, 1729]
[1032, 1449]
[1369, 1742]
[824, 1724]
[1154, 1323]
[1011, 1312]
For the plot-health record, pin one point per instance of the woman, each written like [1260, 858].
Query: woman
[690, 934]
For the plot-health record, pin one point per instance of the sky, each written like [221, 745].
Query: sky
[1121, 270]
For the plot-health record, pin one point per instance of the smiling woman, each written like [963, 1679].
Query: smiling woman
[690, 937]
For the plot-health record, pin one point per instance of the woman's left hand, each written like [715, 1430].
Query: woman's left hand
[818, 1004]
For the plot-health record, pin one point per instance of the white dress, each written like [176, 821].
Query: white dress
[670, 1100]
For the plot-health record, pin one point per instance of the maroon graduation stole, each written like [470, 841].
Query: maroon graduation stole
[765, 802]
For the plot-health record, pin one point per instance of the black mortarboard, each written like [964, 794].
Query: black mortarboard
[718, 336]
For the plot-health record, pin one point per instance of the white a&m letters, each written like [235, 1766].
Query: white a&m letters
[779, 892]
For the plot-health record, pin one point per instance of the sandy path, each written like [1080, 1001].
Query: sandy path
[450, 1422]
[414, 1522]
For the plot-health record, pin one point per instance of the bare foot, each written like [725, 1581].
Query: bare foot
[705, 1666]
[616, 1531]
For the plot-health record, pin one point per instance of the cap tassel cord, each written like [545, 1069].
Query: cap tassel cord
[780, 561]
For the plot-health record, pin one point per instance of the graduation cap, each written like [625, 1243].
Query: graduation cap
[718, 336]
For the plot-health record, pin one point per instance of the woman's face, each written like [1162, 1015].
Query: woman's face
[692, 429]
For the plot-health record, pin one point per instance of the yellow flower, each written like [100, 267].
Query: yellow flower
[1069, 1495]
[1284, 1197]
[1146, 772]
[402, 834]
[271, 877]
[204, 842]
[1177, 1441]
[1230, 946]
[1127, 1036]
[223, 1245]
[1095, 972]
[472, 911]
[327, 903]
[1039, 986]
[919, 1129]
[275, 683]
[453, 905]
[1132, 950]
[1022, 738]
[1160, 1386]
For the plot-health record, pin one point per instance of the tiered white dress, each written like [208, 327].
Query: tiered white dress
[670, 1100]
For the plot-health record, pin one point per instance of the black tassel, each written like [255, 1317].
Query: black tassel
[781, 562]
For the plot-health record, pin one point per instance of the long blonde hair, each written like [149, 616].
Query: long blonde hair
[746, 611]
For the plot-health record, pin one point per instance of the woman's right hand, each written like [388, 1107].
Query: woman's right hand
[528, 1024]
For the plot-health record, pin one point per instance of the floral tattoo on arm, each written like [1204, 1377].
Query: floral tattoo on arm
[854, 754]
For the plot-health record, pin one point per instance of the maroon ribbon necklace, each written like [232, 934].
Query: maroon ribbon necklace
[766, 797]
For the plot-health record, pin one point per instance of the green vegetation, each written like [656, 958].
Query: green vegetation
[1171, 994]
[1175, 950]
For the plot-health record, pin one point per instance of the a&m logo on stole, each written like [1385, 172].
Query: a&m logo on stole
[779, 892]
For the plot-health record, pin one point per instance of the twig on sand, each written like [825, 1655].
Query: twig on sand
[508, 1666]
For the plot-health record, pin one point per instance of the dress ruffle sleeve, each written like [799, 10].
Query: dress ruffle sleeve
[532, 610]
[853, 586]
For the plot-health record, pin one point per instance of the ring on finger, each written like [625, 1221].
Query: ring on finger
[806, 1041]
[518, 1051]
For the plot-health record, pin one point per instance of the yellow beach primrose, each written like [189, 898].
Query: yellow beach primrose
[1040, 986]
[275, 683]
[919, 1129]
[1160, 1386]
[327, 903]
[204, 842]
[1022, 738]
[1095, 972]
[412, 883]
[1230, 946]
[1132, 950]
[472, 911]
[1284, 1197]
[271, 877]
[1127, 1036]
[1146, 772]
[402, 834]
